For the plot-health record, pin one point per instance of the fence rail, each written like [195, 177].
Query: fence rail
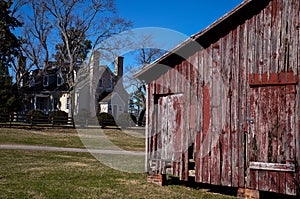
[11, 120]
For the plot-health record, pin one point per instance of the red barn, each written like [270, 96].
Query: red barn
[224, 106]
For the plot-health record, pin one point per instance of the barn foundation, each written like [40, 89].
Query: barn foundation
[156, 178]
[247, 194]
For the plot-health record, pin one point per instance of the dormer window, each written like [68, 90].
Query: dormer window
[46, 81]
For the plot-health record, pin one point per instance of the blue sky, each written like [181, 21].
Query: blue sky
[187, 17]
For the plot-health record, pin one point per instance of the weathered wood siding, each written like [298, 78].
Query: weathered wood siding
[240, 106]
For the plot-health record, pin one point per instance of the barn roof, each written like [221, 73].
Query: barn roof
[202, 39]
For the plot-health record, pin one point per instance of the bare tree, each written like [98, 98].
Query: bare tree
[144, 56]
[36, 31]
[90, 18]
[51, 22]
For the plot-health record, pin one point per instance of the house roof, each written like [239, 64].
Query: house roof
[113, 95]
[202, 39]
[107, 98]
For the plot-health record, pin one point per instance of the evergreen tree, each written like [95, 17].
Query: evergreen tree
[9, 43]
[9, 49]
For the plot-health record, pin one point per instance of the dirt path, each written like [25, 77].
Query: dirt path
[62, 149]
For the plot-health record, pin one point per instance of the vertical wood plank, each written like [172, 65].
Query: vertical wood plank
[150, 120]
[158, 85]
[267, 18]
[252, 137]
[281, 135]
[166, 145]
[199, 163]
[258, 43]
[263, 135]
[216, 115]
[175, 79]
[153, 119]
[187, 106]
[275, 32]
[159, 129]
[290, 141]
[179, 78]
[226, 176]
[294, 29]
[273, 138]
[282, 37]
[206, 118]
[297, 112]
[263, 119]
[242, 93]
[234, 109]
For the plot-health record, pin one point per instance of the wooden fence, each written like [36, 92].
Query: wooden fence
[13, 120]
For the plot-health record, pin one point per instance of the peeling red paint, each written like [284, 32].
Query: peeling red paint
[206, 109]
[236, 102]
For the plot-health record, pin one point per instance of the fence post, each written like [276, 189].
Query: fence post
[73, 123]
[31, 121]
[10, 120]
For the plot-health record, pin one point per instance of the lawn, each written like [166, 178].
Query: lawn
[75, 138]
[42, 174]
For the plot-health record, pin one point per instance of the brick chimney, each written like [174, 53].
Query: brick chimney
[119, 67]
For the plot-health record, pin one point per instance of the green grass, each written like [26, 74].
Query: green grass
[41, 174]
[32, 174]
[43, 137]
[70, 137]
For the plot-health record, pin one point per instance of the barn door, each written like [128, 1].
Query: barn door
[271, 136]
[170, 124]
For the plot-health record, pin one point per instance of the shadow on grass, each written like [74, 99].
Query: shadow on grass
[229, 191]
[268, 195]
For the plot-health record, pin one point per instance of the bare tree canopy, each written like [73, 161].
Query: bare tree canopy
[143, 56]
[48, 23]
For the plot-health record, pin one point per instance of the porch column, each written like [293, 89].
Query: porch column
[34, 102]
[51, 103]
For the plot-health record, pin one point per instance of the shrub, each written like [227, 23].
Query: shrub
[59, 117]
[4, 114]
[106, 119]
[125, 120]
[58, 113]
[34, 114]
[4, 110]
